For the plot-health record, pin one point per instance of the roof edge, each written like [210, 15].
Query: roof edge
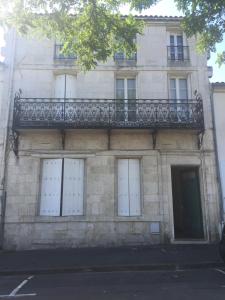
[156, 17]
[218, 84]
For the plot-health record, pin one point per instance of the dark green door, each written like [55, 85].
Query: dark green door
[187, 209]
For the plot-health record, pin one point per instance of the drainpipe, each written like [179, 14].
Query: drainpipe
[7, 95]
[217, 163]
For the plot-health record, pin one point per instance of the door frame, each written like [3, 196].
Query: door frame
[205, 239]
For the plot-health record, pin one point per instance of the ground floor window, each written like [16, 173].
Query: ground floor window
[62, 186]
[129, 195]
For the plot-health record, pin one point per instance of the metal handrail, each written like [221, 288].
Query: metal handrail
[178, 53]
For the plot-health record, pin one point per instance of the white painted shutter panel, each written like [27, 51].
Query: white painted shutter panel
[70, 86]
[51, 187]
[60, 86]
[134, 187]
[123, 189]
[73, 187]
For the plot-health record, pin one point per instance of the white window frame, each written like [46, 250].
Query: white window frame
[125, 79]
[177, 78]
[184, 44]
[65, 91]
[127, 212]
[62, 204]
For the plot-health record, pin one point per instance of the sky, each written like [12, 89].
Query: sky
[168, 8]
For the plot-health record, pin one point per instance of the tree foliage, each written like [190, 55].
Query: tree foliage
[92, 29]
[205, 19]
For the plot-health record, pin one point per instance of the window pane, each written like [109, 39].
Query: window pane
[179, 40]
[173, 92]
[120, 89]
[119, 94]
[172, 40]
[131, 83]
[131, 88]
[131, 94]
[173, 83]
[183, 89]
[183, 83]
[119, 83]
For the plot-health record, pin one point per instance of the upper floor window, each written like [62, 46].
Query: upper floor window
[177, 51]
[59, 55]
[121, 57]
[178, 88]
[65, 86]
[126, 99]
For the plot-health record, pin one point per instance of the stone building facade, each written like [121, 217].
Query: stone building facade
[218, 104]
[120, 155]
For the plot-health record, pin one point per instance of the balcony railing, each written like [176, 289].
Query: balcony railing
[178, 53]
[59, 55]
[121, 57]
[107, 113]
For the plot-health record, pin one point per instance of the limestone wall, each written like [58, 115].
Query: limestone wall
[34, 73]
[101, 225]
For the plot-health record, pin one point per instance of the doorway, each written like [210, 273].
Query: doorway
[187, 210]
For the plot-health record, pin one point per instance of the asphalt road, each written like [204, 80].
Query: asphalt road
[156, 285]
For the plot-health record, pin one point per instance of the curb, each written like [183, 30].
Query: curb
[118, 268]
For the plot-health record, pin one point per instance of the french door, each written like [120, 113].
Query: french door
[65, 86]
[179, 96]
[176, 47]
[126, 99]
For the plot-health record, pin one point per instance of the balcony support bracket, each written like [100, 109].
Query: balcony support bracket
[200, 136]
[109, 138]
[14, 142]
[63, 136]
[154, 138]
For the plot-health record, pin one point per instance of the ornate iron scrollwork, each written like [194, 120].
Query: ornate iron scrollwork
[14, 142]
[107, 113]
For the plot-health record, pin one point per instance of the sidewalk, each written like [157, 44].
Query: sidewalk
[162, 257]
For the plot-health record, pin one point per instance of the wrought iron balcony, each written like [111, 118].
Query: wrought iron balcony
[107, 113]
[59, 55]
[120, 56]
[178, 53]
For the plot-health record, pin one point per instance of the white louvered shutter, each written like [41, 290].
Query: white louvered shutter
[70, 86]
[123, 188]
[51, 187]
[134, 187]
[60, 86]
[73, 187]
